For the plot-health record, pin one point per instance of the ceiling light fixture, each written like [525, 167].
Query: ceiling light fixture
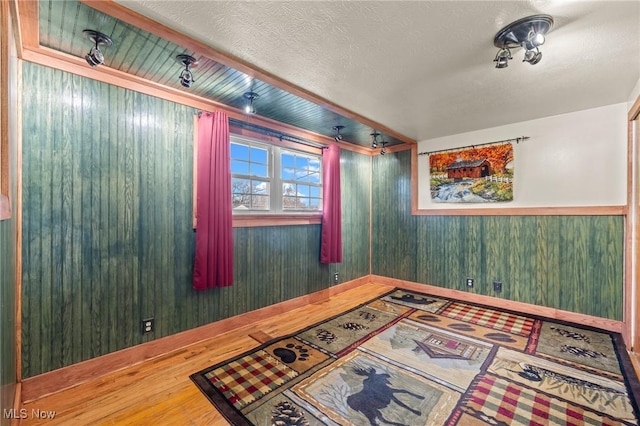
[338, 136]
[250, 97]
[374, 139]
[186, 76]
[528, 33]
[383, 151]
[375, 142]
[95, 56]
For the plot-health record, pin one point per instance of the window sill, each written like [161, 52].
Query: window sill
[250, 220]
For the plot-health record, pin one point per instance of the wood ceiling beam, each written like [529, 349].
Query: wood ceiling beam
[109, 7]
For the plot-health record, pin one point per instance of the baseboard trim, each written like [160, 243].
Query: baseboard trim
[597, 322]
[36, 387]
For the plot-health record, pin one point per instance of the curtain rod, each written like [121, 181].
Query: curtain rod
[268, 132]
[518, 139]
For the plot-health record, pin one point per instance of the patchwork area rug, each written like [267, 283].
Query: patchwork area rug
[407, 358]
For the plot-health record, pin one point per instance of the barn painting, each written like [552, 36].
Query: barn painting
[472, 175]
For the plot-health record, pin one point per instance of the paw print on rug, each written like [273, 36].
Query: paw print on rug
[571, 334]
[353, 326]
[326, 336]
[288, 354]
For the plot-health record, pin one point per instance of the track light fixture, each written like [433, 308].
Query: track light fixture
[375, 142]
[250, 97]
[528, 33]
[95, 56]
[383, 151]
[374, 139]
[338, 136]
[186, 76]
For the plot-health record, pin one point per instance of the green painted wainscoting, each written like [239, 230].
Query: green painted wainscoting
[572, 263]
[7, 314]
[107, 236]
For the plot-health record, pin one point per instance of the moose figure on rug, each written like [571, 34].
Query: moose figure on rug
[376, 395]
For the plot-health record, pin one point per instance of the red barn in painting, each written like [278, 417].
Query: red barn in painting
[469, 169]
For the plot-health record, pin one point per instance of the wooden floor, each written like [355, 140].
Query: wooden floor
[159, 391]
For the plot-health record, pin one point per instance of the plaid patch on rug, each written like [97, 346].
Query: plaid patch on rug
[503, 321]
[246, 379]
[501, 402]
[407, 358]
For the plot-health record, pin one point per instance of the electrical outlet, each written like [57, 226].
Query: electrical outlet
[148, 325]
[335, 277]
[469, 282]
[497, 286]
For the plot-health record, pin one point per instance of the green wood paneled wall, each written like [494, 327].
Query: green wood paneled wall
[355, 187]
[107, 238]
[573, 263]
[7, 314]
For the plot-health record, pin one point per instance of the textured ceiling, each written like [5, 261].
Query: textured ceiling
[424, 68]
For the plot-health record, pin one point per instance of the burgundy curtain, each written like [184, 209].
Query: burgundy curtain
[331, 245]
[214, 226]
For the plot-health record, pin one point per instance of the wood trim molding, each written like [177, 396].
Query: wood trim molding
[632, 240]
[120, 12]
[65, 378]
[54, 59]
[588, 320]
[634, 112]
[528, 211]
[17, 404]
[250, 220]
[5, 39]
[28, 28]
[5, 207]
[631, 224]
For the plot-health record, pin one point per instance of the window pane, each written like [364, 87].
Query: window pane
[314, 164]
[314, 204]
[239, 167]
[240, 186]
[289, 189]
[259, 170]
[314, 191]
[303, 190]
[288, 173]
[241, 201]
[260, 202]
[288, 203]
[302, 175]
[288, 160]
[259, 187]
[314, 177]
[239, 151]
[302, 163]
[258, 155]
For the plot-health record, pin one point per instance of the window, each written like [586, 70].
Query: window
[301, 183]
[274, 179]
